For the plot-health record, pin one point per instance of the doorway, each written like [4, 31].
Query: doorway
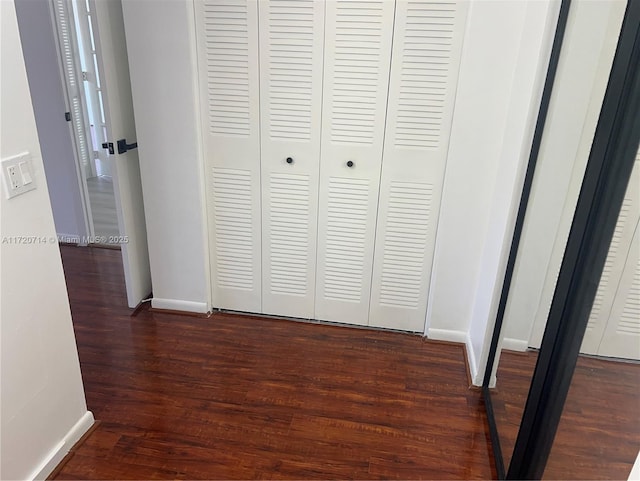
[78, 70]
[75, 25]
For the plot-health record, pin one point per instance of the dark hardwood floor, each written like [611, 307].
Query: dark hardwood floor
[599, 432]
[240, 397]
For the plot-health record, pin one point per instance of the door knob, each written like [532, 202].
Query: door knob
[350, 163]
[289, 160]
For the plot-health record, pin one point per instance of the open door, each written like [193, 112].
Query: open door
[111, 50]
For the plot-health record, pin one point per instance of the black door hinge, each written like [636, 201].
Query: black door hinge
[67, 116]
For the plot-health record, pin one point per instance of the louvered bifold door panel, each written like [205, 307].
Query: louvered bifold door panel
[357, 53]
[227, 44]
[622, 335]
[614, 324]
[291, 46]
[424, 72]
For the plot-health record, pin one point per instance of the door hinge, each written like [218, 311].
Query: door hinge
[85, 76]
[67, 116]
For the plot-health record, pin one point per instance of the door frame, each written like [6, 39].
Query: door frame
[118, 122]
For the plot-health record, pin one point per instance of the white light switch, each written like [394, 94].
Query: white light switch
[18, 174]
[25, 171]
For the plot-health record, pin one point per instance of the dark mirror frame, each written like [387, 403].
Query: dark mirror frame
[607, 174]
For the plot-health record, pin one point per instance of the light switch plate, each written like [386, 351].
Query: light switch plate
[18, 174]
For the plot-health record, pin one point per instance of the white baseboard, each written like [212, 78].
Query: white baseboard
[176, 305]
[60, 451]
[515, 344]
[447, 335]
[473, 362]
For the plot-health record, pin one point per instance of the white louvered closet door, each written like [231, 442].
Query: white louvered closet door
[424, 72]
[358, 38]
[622, 335]
[614, 324]
[291, 47]
[227, 40]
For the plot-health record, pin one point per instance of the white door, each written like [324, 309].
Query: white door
[622, 334]
[227, 43]
[614, 323]
[357, 59]
[427, 46]
[111, 52]
[291, 47]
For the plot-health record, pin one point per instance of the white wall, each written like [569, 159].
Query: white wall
[45, 82]
[504, 63]
[43, 410]
[502, 74]
[583, 70]
[161, 48]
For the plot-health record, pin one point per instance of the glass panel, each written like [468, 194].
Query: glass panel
[509, 397]
[93, 43]
[97, 72]
[80, 41]
[103, 207]
[571, 121]
[101, 107]
[599, 432]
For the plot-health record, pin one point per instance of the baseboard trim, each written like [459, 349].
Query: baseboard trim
[176, 305]
[447, 335]
[472, 362]
[58, 453]
[515, 344]
[72, 451]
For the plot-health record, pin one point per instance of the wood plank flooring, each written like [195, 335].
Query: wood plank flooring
[240, 397]
[599, 432]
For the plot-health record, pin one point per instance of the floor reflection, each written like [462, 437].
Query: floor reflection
[599, 432]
